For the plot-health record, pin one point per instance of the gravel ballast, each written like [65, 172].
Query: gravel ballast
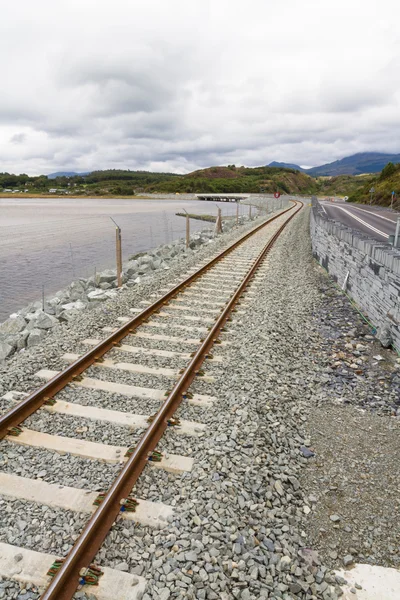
[253, 519]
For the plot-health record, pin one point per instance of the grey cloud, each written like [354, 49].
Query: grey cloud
[182, 85]
[18, 138]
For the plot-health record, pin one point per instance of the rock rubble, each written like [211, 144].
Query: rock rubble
[30, 325]
[243, 517]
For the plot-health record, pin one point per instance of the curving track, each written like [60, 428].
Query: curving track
[212, 293]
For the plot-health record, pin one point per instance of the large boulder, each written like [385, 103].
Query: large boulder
[97, 296]
[53, 301]
[146, 260]
[136, 256]
[157, 264]
[30, 309]
[17, 341]
[384, 335]
[163, 250]
[144, 268]
[21, 340]
[91, 281]
[76, 290]
[12, 326]
[35, 337]
[63, 296]
[50, 310]
[78, 305]
[67, 315]
[31, 316]
[42, 320]
[131, 267]
[107, 276]
[5, 350]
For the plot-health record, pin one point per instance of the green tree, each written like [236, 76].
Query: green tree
[387, 170]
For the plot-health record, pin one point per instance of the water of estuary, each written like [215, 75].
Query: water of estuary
[52, 241]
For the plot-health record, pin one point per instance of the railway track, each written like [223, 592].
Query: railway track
[180, 328]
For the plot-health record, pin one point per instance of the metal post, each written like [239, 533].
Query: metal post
[371, 191]
[118, 250]
[72, 260]
[119, 256]
[396, 235]
[237, 213]
[250, 211]
[187, 230]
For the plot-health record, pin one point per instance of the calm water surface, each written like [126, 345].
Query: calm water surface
[53, 241]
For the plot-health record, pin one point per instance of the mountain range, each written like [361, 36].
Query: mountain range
[356, 164]
[65, 174]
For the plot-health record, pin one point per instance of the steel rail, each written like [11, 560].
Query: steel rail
[65, 582]
[21, 411]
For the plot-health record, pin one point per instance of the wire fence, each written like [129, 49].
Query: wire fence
[41, 255]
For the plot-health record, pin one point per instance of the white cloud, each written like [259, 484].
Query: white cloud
[174, 86]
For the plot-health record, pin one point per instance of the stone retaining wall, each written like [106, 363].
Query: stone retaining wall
[370, 268]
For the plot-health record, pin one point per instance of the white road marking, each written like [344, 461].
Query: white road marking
[378, 231]
[373, 213]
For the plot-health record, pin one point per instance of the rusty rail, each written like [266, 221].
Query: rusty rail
[21, 411]
[65, 582]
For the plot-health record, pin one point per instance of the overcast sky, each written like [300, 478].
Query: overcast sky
[175, 85]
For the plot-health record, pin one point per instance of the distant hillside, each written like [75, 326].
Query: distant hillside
[363, 162]
[65, 174]
[343, 185]
[239, 179]
[217, 179]
[282, 165]
[384, 184]
[356, 164]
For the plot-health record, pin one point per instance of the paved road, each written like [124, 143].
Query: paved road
[376, 222]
